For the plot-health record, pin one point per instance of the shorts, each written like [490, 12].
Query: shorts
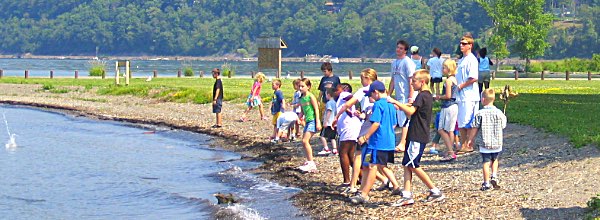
[402, 119]
[413, 154]
[436, 79]
[253, 101]
[310, 126]
[466, 113]
[216, 108]
[487, 157]
[275, 117]
[448, 117]
[484, 76]
[328, 133]
[372, 156]
[283, 124]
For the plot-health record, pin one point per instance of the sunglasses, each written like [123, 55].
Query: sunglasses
[464, 43]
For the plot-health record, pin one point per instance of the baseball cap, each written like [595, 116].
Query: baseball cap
[376, 85]
[414, 49]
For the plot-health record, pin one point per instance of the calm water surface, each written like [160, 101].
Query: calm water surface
[66, 167]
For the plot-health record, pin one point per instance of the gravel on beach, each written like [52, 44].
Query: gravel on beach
[542, 175]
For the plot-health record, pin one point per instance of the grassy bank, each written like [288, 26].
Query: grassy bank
[563, 107]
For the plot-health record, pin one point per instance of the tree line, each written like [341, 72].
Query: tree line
[211, 27]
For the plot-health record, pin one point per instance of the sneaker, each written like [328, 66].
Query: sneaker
[350, 191]
[449, 158]
[334, 152]
[308, 167]
[385, 186]
[324, 152]
[485, 187]
[397, 192]
[494, 181]
[403, 202]
[432, 197]
[359, 198]
[274, 141]
[433, 151]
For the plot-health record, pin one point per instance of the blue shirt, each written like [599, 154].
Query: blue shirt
[384, 138]
[484, 64]
[277, 102]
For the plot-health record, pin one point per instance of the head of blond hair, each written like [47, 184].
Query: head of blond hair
[451, 66]
[489, 95]
[369, 74]
[260, 77]
[424, 76]
[468, 39]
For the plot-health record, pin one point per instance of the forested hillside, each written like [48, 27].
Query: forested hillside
[210, 27]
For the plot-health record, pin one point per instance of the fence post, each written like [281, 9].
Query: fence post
[76, 74]
[51, 74]
[103, 74]
[350, 74]
[178, 73]
[567, 75]
[516, 75]
[201, 74]
[543, 71]
[493, 75]
[154, 74]
[26, 74]
[252, 74]
[1, 73]
[301, 74]
[589, 75]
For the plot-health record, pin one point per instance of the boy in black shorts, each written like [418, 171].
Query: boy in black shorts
[217, 102]
[328, 134]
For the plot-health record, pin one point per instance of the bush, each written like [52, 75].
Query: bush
[593, 209]
[535, 68]
[97, 68]
[228, 70]
[188, 71]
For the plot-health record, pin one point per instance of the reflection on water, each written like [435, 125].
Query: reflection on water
[75, 168]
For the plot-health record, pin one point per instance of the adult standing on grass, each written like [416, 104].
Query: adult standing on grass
[327, 81]
[217, 102]
[484, 70]
[434, 65]
[402, 71]
[468, 96]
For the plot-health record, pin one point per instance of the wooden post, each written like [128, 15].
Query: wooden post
[516, 75]
[1, 73]
[26, 74]
[567, 75]
[154, 74]
[493, 75]
[76, 74]
[51, 74]
[127, 73]
[178, 73]
[301, 74]
[542, 76]
[350, 74]
[589, 75]
[252, 74]
[103, 74]
[201, 74]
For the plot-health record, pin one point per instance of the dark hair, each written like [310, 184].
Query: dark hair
[306, 82]
[331, 92]
[217, 71]
[483, 52]
[437, 52]
[326, 66]
[404, 43]
[346, 87]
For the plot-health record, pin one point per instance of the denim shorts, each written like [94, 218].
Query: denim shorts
[310, 126]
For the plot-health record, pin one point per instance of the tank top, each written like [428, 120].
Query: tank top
[418, 63]
[309, 111]
[452, 101]
[484, 64]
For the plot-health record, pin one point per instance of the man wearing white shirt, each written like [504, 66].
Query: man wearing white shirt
[468, 97]
[402, 71]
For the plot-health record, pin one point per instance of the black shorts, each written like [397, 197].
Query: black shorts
[487, 157]
[217, 107]
[413, 154]
[372, 156]
[436, 80]
[328, 133]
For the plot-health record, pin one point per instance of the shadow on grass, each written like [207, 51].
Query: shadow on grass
[554, 213]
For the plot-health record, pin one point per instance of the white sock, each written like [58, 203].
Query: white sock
[406, 194]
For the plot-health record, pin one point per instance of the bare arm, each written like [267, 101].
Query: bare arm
[343, 109]
[372, 129]
[391, 86]
[314, 103]
[406, 108]
[469, 82]
[448, 93]
[411, 90]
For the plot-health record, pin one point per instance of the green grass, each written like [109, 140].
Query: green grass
[563, 107]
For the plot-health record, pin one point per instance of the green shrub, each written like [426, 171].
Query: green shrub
[593, 209]
[188, 71]
[228, 70]
[535, 68]
[97, 68]
[48, 87]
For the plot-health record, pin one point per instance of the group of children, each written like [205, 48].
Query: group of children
[366, 133]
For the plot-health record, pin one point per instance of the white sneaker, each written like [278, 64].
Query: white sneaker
[324, 152]
[309, 167]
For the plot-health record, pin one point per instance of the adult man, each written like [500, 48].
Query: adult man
[468, 96]
[402, 70]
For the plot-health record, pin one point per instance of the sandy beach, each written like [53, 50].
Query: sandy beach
[542, 175]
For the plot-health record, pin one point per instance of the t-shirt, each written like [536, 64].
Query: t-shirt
[484, 64]
[346, 120]
[418, 128]
[307, 108]
[218, 85]
[362, 97]
[328, 82]
[366, 125]
[277, 102]
[296, 101]
[418, 64]
[256, 87]
[435, 67]
[384, 137]
[402, 70]
[330, 106]
[468, 67]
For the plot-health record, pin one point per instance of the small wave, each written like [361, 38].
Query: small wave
[236, 175]
[23, 199]
[238, 211]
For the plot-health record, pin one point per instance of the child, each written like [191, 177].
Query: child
[418, 136]
[296, 107]
[449, 109]
[310, 110]
[254, 99]
[490, 121]
[284, 123]
[348, 127]
[381, 143]
[328, 134]
[217, 103]
[327, 81]
[277, 104]
[435, 66]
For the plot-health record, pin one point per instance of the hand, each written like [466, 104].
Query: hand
[214, 102]
[319, 127]
[361, 140]
[334, 123]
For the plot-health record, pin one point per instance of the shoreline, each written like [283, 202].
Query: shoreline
[543, 164]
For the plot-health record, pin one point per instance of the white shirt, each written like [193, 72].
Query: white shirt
[402, 70]
[468, 67]
[362, 97]
[435, 67]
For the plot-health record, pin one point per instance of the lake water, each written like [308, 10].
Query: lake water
[145, 68]
[67, 167]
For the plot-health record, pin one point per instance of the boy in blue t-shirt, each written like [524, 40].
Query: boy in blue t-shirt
[381, 143]
[277, 104]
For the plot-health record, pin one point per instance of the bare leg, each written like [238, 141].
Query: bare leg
[334, 147]
[306, 144]
[486, 172]
[390, 175]
[219, 119]
[424, 177]
[471, 133]
[262, 111]
[275, 131]
[495, 165]
[447, 137]
[356, 168]
[371, 173]
[463, 138]
[346, 155]
[324, 142]
[402, 145]
[407, 179]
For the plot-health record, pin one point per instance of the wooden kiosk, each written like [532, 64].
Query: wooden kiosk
[269, 53]
[126, 64]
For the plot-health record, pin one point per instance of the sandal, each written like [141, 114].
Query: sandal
[243, 119]
[464, 151]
